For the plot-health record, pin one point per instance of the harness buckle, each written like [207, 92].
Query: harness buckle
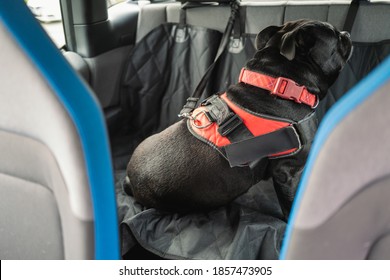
[207, 115]
[229, 124]
[288, 89]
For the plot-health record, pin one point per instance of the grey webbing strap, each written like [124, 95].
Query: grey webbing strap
[351, 15]
[234, 129]
[222, 46]
[183, 16]
[239, 23]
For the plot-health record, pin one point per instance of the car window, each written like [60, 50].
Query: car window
[114, 2]
[48, 13]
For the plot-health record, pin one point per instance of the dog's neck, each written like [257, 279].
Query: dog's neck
[260, 100]
[279, 86]
[271, 63]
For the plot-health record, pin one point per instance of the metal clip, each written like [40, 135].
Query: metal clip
[194, 120]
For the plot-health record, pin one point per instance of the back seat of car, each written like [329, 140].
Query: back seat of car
[260, 14]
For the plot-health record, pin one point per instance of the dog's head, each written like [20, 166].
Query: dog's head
[306, 45]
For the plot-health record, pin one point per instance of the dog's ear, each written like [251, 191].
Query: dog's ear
[263, 37]
[296, 40]
[287, 46]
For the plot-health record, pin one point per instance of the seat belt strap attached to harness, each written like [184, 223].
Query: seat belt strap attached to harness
[235, 7]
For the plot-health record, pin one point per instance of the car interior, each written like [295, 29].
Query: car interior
[69, 129]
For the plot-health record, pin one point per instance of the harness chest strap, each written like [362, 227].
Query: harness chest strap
[289, 139]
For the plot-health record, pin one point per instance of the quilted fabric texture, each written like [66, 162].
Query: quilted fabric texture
[163, 71]
[251, 227]
[365, 57]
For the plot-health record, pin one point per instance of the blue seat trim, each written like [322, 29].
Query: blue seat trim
[356, 96]
[85, 112]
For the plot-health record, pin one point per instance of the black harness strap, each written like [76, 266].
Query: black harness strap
[351, 15]
[187, 109]
[183, 15]
[255, 148]
[234, 129]
[217, 109]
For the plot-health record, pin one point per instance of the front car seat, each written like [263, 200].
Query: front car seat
[56, 182]
[342, 208]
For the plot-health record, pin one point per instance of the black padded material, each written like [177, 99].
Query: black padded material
[232, 61]
[161, 73]
[260, 147]
[251, 227]
[365, 57]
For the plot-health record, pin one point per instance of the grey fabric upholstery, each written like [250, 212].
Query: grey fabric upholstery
[106, 74]
[380, 250]
[78, 64]
[102, 73]
[262, 14]
[344, 213]
[45, 206]
[151, 16]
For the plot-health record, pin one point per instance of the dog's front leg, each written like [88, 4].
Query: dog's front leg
[286, 174]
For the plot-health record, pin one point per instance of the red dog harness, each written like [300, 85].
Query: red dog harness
[244, 137]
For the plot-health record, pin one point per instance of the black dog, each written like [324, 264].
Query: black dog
[174, 171]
